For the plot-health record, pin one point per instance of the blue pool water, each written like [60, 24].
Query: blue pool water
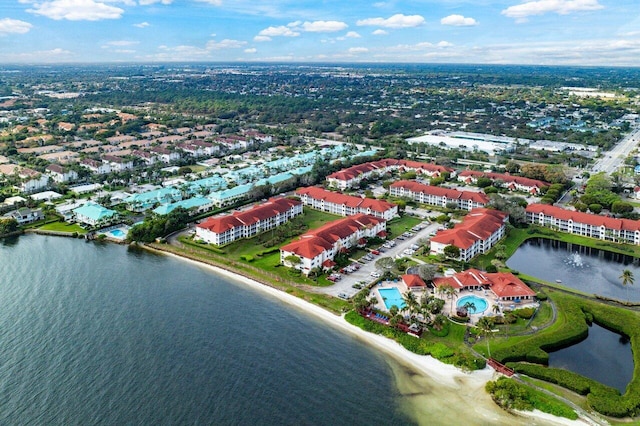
[479, 302]
[391, 296]
[117, 233]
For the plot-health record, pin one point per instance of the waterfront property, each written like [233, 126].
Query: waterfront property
[345, 205]
[94, 214]
[317, 248]
[512, 183]
[585, 224]
[438, 196]
[352, 176]
[480, 230]
[391, 296]
[228, 228]
[504, 285]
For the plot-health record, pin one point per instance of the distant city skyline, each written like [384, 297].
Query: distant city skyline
[544, 32]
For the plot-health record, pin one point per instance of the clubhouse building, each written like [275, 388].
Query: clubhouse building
[504, 285]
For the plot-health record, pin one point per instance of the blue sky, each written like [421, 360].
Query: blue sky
[546, 32]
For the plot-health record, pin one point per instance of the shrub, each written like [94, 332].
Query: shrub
[525, 313]
[247, 257]
[542, 296]
[491, 268]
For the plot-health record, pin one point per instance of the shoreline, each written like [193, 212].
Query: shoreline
[466, 384]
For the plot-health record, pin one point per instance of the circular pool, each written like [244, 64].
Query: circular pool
[479, 303]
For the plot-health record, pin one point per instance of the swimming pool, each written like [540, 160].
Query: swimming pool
[391, 296]
[118, 233]
[480, 303]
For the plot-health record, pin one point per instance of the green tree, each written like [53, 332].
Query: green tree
[627, 280]
[451, 252]
[485, 324]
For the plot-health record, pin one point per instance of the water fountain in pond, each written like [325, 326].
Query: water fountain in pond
[576, 260]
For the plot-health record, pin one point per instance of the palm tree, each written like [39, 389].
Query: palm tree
[496, 309]
[485, 324]
[411, 303]
[627, 278]
[470, 305]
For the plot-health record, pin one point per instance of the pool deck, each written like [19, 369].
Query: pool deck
[108, 233]
[450, 307]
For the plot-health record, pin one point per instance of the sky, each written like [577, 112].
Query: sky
[541, 32]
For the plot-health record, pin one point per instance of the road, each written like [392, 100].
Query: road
[344, 286]
[612, 159]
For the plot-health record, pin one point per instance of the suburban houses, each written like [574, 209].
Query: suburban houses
[437, 196]
[480, 230]
[345, 205]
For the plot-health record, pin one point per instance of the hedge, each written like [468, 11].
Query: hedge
[573, 327]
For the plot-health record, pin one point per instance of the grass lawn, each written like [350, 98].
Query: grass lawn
[63, 227]
[400, 225]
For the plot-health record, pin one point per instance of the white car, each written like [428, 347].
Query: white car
[375, 274]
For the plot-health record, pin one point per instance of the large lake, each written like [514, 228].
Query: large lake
[582, 268]
[94, 333]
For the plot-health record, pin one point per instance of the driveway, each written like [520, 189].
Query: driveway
[345, 285]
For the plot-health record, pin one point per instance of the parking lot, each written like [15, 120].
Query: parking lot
[363, 276]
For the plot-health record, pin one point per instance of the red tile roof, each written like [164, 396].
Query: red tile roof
[480, 223]
[502, 284]
[318, 240]
[454, 194]
[260, 212]
[505, 177]
[412, 280]
[355, 171]
[586, 218]
[351, 201]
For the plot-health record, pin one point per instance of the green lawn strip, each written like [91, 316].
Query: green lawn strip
[201, 254]
[449, 349]
[63, 227]
[562, 392]
[513, 395]
[571, 326]
[400, 225]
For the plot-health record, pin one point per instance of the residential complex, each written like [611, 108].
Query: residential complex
[585, 224]
[222, 230]
[438, 196]
[317, 248]
[345, 205]
[352, 176]
[504, 285]
[513, 183]
[480, 230]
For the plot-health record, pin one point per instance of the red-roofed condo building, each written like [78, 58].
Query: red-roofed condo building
[480, 230]
[505, 285]
[438, 196]
[226, 229]
[513, 183]
[585, 224]
[351, 176]
[345, 205]
[317, 248]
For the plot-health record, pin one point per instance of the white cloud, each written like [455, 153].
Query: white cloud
[250, 50]
[142, 25]
[352, 34]
[380, 32]
[280, 31]
[356, 50]
[540, 7]
[395, 21]
[444, 44]
[148, 2]
[121, 43]
[225, 44]
[261, 38]
[76, 10]
[458, 21]
[324, 26]
[14, 26]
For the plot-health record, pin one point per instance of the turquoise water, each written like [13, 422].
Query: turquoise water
[117, 233]
[479, 302]
[101, 334]
[392, 296]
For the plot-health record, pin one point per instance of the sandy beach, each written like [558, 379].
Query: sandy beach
[431, 390]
